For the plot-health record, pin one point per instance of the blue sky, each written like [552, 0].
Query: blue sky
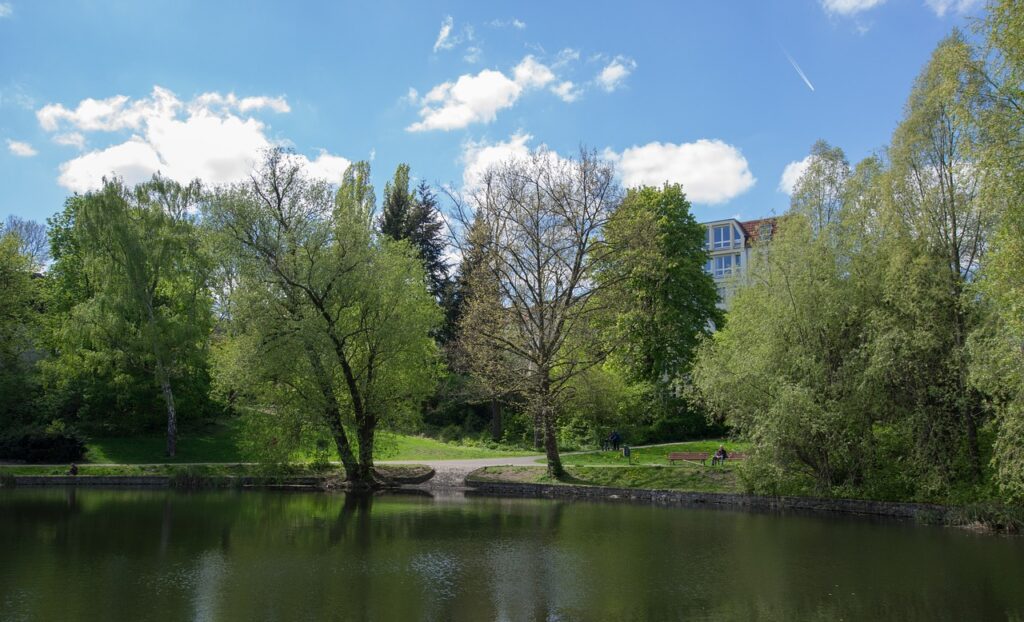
[705, 93]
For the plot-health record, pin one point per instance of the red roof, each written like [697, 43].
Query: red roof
[752, 229]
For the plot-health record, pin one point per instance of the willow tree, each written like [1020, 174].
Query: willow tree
[938, 230]
[141, 255]
[532, 297]
[998, 347]
[333, 322]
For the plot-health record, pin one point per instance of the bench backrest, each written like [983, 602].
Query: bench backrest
[687, 456]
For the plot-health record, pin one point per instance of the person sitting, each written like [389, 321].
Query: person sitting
[720, 456]
[73, 470]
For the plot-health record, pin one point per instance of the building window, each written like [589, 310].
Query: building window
[723, 237]
[723, 266]
[766, 231]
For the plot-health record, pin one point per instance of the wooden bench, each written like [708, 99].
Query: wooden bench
[736, 456]
[687, 457]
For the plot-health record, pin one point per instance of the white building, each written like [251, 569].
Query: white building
[729, 243]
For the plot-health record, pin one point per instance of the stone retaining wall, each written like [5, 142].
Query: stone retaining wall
[916, 511]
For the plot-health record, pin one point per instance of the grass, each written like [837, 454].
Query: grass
[200, 470]
[649, 455]
[219, 443]
[687, 478]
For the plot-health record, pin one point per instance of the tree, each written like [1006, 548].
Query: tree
[788, 368]
[19, 323]
[529, 320]
[32, 240]
[939, 229]
[394, 219]
[334, 322]
[414, 217]
[998, 346]
[143, 276]
[665, 301]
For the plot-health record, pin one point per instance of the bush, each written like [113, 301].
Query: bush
[42, 447]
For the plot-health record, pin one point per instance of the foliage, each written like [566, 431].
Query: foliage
[36, 447]
[331, 323]
[528, 323]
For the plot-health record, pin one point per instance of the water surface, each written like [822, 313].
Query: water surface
[93, 554]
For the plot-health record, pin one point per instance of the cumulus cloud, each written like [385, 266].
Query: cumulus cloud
[710, 171]
[478, 98]
[70, 139]
[212, 137]
[566, 91]
[849, 7]
[792, 174]
[615, 72]
[444, 40]
[20, 149]
[532, 74]
[941, 7]
[477, 157]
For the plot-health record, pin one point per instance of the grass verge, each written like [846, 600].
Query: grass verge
[686, 477]
[649, 455]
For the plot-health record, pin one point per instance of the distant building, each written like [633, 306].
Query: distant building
[729, 243]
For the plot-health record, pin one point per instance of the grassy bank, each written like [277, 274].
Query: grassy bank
[649, 455]
[203, 470]
[684, 477]
[220, 444]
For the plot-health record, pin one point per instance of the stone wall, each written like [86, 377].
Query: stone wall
[915, 511]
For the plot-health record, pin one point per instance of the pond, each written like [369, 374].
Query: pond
[92, 554]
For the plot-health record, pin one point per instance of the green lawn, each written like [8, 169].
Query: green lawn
[687, 477]
[650, 455]
[220, 444]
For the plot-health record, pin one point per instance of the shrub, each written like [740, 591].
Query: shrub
[41, 447]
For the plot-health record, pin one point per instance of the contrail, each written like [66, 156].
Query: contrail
[798, 70]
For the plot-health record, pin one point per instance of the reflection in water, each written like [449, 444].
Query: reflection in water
[161, 555]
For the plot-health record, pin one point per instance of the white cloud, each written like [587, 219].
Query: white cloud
[941, 7]
[849, 7]
[20, 149]
[615, 72]
[567, 91]
[470, 99]
[444, 41]
[518, 24]
[478, 98]
[212, 138]
[6, 9]
[710, 171]
[531, 74]
[566, 56]
[71, 139]
[472, 54]
[477, 157]
[792, 174]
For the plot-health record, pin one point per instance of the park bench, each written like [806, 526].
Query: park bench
[736, 456]
[687, 457]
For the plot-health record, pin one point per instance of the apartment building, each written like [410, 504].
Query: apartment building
[730, 243]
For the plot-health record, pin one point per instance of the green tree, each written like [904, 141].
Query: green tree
[665, 301]
[333, 323]
[998, 347]
[146, 277]
[19, 324]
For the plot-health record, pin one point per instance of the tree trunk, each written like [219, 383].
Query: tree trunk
[495, 420]
[551, 445]
[332, 415]
[538, 430]
[172, 415]
[366, 431]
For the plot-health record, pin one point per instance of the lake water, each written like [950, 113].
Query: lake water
[161, 555]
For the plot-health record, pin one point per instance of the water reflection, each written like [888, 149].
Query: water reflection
[159, 555]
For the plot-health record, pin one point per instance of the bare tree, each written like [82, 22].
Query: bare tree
[536, 225]
[32, 240]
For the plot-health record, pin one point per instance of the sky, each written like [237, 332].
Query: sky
[724, 97]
